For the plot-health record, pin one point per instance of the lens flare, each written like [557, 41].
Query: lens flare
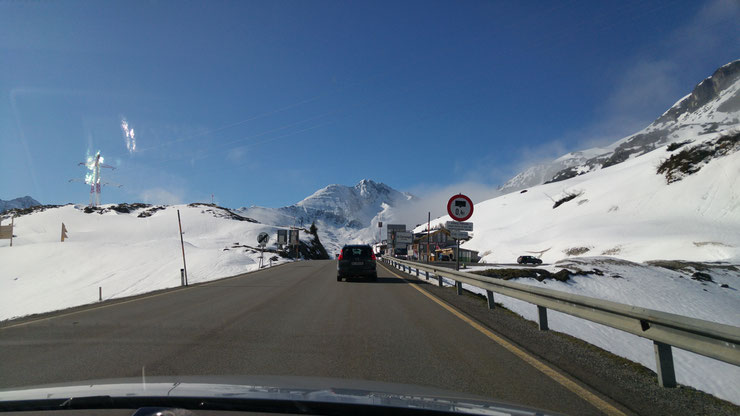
[129, 136]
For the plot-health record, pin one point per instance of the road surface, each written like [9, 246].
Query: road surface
[295, 319]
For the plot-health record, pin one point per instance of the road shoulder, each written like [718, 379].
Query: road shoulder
[633, 387]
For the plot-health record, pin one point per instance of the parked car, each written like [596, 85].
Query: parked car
[356, 260]
[528, 259]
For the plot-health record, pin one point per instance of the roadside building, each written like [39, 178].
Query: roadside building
[466, 256]
[440, 244]
[438, 239]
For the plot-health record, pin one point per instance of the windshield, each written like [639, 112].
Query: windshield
[528, 202]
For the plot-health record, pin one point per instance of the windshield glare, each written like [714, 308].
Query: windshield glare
[372, 203]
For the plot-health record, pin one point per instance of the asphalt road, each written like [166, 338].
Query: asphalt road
[294, 319]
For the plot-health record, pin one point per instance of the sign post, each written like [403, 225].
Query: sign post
[460, 209]
[262, 240]
[392, 230]
[282, 238]
[64, 232]
[459, 226]
[293, 240]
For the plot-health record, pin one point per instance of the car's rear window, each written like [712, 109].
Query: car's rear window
[363, 252]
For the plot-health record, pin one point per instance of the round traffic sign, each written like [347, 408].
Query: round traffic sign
[263, 238]
[460, 207]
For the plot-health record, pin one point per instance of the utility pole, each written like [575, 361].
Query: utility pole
[429, 221]
[182, 244]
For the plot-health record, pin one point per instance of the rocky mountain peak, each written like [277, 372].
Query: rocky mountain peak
[713, 106]
[704, 92]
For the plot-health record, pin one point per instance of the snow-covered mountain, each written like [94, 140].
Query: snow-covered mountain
[23, 202]
[343, 214]
[670, 191]
[713, 106]
[653, 220]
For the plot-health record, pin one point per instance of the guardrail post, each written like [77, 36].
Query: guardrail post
[664, 364]
[458, 287]
[542, 315]
[489, 296]
[417, 272]
[426, 275]
[439, 280]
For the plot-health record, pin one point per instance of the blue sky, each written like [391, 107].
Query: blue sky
[262, 103]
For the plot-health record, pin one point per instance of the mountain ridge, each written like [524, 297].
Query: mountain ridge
[343, 214]
[21, 202]
[712, 106]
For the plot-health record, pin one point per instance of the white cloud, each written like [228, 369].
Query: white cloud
[434, 200]
[160, 196]
[236, 154]
[653, 81]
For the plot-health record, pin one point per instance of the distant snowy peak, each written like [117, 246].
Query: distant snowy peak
[335, 206]
[713, 106]
[23, 202]
[346, 199]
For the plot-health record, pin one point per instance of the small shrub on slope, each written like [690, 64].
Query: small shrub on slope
[692, 159]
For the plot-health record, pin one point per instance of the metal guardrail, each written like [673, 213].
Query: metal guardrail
[711, 339]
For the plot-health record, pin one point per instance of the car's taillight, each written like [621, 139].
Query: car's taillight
[372, 256]
[340, 256]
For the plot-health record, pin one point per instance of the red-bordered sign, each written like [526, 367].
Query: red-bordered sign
[460, 207]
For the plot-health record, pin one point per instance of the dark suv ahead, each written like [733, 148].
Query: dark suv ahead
[528, 259]
[356, 260]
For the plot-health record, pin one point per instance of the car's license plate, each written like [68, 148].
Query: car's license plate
[357, 263]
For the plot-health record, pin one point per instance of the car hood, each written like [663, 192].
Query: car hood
[289, 390]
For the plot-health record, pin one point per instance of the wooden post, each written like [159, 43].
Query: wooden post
[12, 221]
[182, 244]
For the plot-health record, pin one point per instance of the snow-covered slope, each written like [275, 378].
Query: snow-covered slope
[713, 106]
[23, 202]
[343, 214]
[668, 192]
[629, 211]
[626, 210]
[123, 253]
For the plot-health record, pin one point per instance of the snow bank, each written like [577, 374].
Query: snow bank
[120, 252]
